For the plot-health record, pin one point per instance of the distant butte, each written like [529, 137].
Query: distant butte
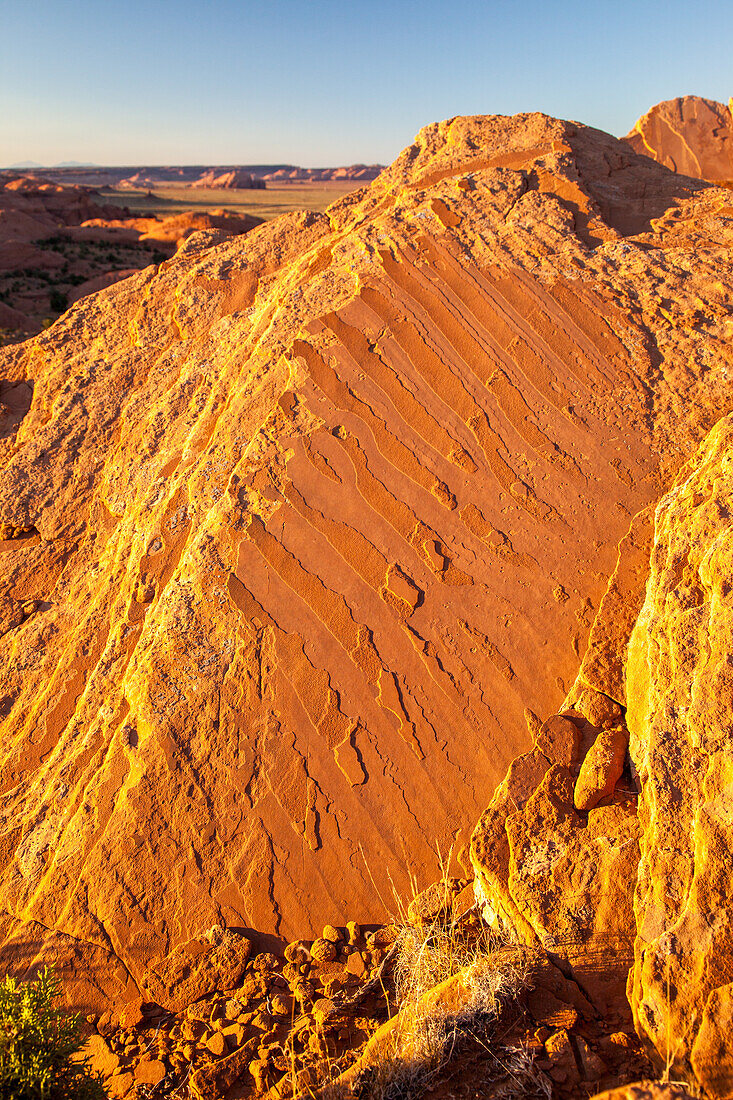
[234, 180]
[150, 176]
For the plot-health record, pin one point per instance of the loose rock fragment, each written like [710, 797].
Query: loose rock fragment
[602, 768]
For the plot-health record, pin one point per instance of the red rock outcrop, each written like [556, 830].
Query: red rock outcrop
[236, 179]
[688, 134]
[301, 529]
[552, 876]
[173, 229]
[541, 865]
[680, 716]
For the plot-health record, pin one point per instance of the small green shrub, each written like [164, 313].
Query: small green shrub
[40, 1044]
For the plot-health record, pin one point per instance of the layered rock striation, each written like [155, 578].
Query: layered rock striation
[301, 530]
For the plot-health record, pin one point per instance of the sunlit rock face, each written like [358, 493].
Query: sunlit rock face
[635, 878]
[301, 529]
[680, 717]
[689, 135]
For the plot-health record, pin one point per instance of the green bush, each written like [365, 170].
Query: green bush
[38, 1045]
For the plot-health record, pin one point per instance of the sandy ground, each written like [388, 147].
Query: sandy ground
[263, 204]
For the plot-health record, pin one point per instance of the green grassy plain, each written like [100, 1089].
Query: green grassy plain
[275, 200]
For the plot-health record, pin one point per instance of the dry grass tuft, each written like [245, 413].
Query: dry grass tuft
[448, 983]
[513, 1073]
[429, 1027]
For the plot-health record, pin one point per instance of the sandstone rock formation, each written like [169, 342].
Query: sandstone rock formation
[670, 856]
[302, 529]
[648, 1090]
[680, 716]
[172, 229]
[688, 134]
[236, 179]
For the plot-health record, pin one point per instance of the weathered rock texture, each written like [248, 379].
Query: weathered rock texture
[298, 525]
[680, 716]
[688, 134]
[551, 876]
[670, 856]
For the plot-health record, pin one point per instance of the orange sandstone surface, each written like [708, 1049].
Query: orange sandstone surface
[628, 891]
[690, 135]
[303, 533]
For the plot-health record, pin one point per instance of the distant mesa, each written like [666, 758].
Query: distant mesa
[690, 135]
[139, 177]
[235, 180]
[366, 172]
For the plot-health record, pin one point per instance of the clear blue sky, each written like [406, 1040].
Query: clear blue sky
[325, 82]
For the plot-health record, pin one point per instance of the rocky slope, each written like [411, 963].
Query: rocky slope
[688, 134]
[302, 530]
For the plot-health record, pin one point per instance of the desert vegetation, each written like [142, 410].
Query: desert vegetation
[41, 1044]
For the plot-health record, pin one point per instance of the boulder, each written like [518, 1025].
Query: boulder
[195, 969]
[550, 876]
[648, 1090]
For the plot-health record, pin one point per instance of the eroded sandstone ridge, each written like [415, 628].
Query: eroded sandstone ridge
[301, 530]
[688, 134]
